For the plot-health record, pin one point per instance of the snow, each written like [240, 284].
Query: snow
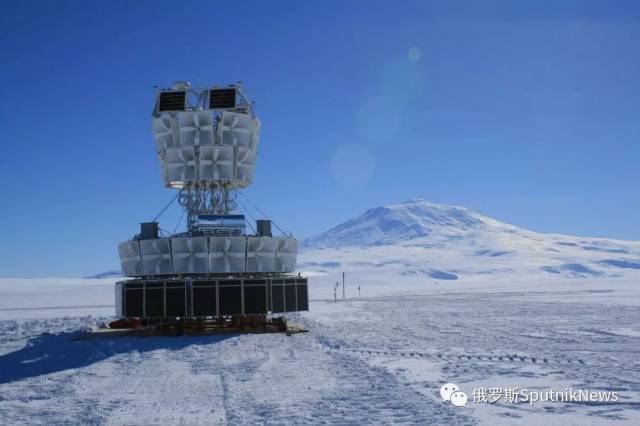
[540, 312]
[56, 297]
[415, 244]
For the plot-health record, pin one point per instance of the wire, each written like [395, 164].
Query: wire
[249, 213]
[264, 214]
[155, 219]
[179, 222]
[164, 232]
[246, 210]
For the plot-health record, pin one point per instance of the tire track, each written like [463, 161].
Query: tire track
[444, 356]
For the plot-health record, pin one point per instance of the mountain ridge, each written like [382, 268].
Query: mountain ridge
[411, 219]
[417, 238]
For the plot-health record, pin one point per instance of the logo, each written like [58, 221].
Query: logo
[514, 395]
[452, 393]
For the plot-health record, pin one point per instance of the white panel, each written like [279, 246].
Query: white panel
[156, 257]
[245, 165]
[190, 255]
[227, 254]
[216, 163]
[130, 259]
[119, 301]
[261, 254]
[238, 129]
[194, 146]
[165, 132]
[256, 136]
[286, 255]
[164, 169]
[196, 128]
[181, 164]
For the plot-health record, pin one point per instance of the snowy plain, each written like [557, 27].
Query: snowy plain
[446, 295]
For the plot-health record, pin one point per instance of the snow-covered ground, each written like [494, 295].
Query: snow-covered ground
[447, 295]
[415, 244]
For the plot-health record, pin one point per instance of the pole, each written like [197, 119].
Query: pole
[343, 296]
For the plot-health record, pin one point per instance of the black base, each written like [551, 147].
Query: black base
[202, 297]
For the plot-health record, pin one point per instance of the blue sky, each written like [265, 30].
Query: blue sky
[526, 111]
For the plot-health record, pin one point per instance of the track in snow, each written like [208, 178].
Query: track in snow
[243, 379]
[377, 361]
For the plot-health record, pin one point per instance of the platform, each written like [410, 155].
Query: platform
[210, 328]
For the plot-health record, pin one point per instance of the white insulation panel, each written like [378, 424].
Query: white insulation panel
[238, 129]
[216, 163]
[201, 255]
[200, 146]
[156, 256]
[227, 254]
[165, 132]
[286, 255]
[196, 128]
[261, 254]
[190, 255]
[130, 259]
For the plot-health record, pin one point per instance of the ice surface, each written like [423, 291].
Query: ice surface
[526, 310]
[376, 360]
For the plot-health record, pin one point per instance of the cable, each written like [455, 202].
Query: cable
[155, 219]
[246, 210]
[264, 214]
[164, 232]
[179, 222]
[250, 215]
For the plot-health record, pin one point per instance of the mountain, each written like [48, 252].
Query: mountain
[421, 239]
[106, 274]
[405, 222]
[418, 240]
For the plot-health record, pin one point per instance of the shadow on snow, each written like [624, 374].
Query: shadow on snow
[52, 353]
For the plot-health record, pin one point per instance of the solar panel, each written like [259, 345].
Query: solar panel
[176, 306]
[133, 302]
[204, 299]
[222, 98]
[277, 298]
[154, 302]
[303, 297]
[291, 301]
[172, 101]
[230, 299]
[255, 299]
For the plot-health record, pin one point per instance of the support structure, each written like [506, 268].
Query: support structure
[207, 199]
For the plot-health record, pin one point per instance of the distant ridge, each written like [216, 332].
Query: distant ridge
[409, 220]
[441, 242]
[421, 239]
[106, 274]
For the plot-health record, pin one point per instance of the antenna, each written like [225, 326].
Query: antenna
[207, 150]
[206, 140]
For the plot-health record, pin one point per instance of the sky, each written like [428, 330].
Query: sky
[528, 112]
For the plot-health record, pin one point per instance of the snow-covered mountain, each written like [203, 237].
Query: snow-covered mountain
[408, 221]
[116, 273]
[421, 239]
